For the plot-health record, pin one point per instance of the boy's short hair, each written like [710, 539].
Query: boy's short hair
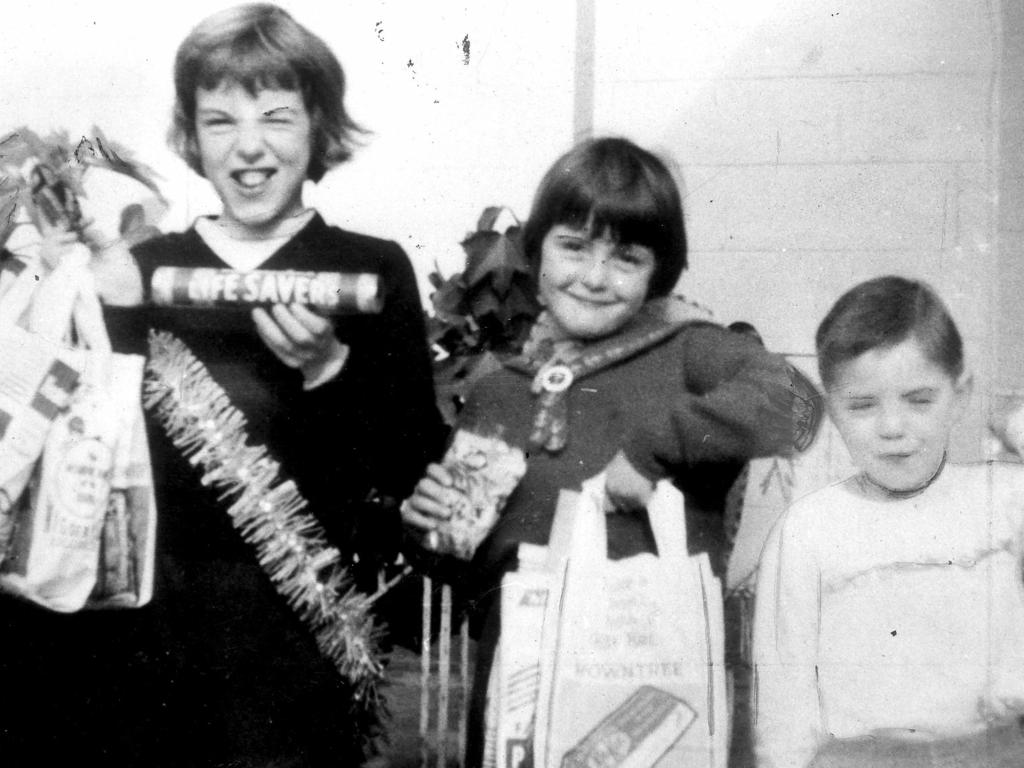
[612, 183]
[258, 46]
[884, 312]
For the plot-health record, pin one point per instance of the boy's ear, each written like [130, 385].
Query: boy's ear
[964, 388]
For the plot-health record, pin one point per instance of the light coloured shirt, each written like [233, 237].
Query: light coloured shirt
[902, 618]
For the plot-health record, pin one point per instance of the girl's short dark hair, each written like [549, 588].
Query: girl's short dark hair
[884, 312]
[612, 184]
[259, 46]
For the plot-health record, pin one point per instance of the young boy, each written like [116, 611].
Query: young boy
[889, 626]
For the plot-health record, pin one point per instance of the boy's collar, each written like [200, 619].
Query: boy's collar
[878, 491]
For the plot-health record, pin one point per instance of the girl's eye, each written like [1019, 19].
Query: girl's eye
[571, 244]
[631, 260]
[859, 405]
[215, 122]
[631, 257]
[920, 397]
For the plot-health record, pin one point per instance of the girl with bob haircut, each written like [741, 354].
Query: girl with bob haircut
[617, 186]
[218, 670]
[261, 46]
[889, 626]
[616, 376]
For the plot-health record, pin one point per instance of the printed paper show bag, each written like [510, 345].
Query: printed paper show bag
[515, 680]
[38, 372]
[53, 557]
[515, 672]
[635, 670]
[127, 555]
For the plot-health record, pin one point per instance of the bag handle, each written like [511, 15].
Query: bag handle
[87, 317]
[667, 513]
[665, 510]
[18, 290]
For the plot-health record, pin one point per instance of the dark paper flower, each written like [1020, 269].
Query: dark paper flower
[483, 313]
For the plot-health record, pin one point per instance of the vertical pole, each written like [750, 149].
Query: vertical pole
[425, 672]
[583, 78]
[444, 674]
[463, 712]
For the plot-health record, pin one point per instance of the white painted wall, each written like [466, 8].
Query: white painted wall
[819, 145]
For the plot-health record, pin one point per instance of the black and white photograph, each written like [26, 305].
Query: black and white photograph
[585, 384]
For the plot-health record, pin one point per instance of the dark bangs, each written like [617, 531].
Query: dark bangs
[611, 185]
[883, 313]
[252, 60]
[255, 69]
[627, 214]
[259, 46]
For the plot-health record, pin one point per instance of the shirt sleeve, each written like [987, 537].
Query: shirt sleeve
[735, 401]
[1006, 631]
[788, 723]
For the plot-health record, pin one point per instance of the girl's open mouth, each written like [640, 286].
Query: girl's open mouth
[252, 179]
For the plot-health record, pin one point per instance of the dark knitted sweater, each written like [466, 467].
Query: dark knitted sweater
[371, 428]
[218, 670]
[693, 407]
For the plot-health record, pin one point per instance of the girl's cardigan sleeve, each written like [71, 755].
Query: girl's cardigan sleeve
[789, 725]
[735, 401]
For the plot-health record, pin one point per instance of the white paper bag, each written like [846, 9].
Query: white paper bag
[54, 554]
[633, 672]
[38, 374]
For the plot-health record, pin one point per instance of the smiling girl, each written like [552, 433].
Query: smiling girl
[217, 670]
[890, 609]
[616, 376]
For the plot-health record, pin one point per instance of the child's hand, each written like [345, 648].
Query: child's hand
[625, 489]
[114, 269]
[432, 500]
[57, 243]
[117, 276]
[302, 339]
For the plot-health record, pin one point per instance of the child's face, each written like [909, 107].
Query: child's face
[255, 150]
[895, 410]
[592, 286]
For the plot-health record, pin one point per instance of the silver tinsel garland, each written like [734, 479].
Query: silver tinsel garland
[269, 514]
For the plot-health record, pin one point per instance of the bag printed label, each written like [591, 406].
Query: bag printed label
[73, 513]
[71, 517]
[55, 546]
[636, 734]
[524, 598]
[37, 379]
[632, 655]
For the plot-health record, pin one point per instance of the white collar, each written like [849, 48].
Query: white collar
[245, 254]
